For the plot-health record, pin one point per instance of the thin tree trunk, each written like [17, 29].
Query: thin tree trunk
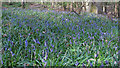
[23, 4]
[68, 6]
[119, 28]
[119, 10]
[77, 7]
[105, 7]
[42, 2]
[64, 6]
[71, 6]
[52, 5]
[84, 6]
[99, 7]
[55, 5]
[88, 6]
[80, 8]
[116, 9]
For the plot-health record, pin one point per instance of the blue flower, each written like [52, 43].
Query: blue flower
[43, 60]
[74, 38]
[46, 56]
[12, 42]
[102, 65]
[45, 64]
[5, 49]
[43, 53]
[75, 43]
[106, 62]
[38, 42]
[34, 40]
[10, 49]
[12, 53]
[96, 55]
[29, 51]
[76, 63]
[91, 64]
[26, 43]
[1, 61]
[70, 42]
[51, 50]
[119, 52]
[29, 34]
[34, 48]
[83, 65]
[25, 56]
[9, 39]
[45, 44]
[52, 45]
[62, 19]
[72, 28]
[19, 24]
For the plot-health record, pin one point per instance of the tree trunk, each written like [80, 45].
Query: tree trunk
[68, 6]
[71, 6]
[23, 4]
[119, 10]
[93, 8]
[83, 7]
[105, 7]
[116, 9]
[77, 7]
[42, 2]
[55, 5]
[99, 7]
[119, 26]
[88, 6]
[64, 6]
[52, 5]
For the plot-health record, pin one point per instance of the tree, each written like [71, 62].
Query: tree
[116, 8]
[119, 27]
[99, 7]
[23, 4]
[77, 7]
[119, 10]
[93, 8]
[64, 5]
[52, 5]
[68, 6]
[71, 6]
[105, 7]
[83, 6]
[89, 6]
[42, 2]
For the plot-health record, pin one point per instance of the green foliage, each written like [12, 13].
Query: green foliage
[11, 4]
[50, 38]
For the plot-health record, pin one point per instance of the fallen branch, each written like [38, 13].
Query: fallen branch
[118, 62]
[76, 12]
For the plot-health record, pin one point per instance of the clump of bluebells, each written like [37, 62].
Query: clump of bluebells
[51, 38]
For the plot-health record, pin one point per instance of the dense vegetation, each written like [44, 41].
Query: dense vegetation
[51, 38]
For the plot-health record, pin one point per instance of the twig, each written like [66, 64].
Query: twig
[118, 62]
[75, 11]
